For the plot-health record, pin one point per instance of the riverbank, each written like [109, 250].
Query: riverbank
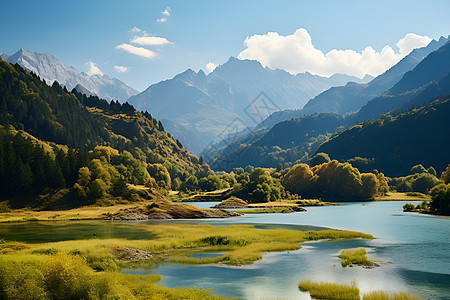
[156, 208]
[397, 196]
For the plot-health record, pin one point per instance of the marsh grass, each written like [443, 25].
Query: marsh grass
[358, 257]
[328, 290]
[81, 269]
[382, 295]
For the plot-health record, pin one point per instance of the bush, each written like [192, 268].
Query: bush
[21, 280]
[67, 277]
[440, 198]
[408, 207]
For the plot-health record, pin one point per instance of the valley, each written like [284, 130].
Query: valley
[238, 150]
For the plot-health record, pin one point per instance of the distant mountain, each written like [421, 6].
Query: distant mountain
[428, 80]
[189, 137]
[398, 142]
[210, 103]
[51, 114]
[351, 97]
[50, 68]
[81, 89]
[293, 140]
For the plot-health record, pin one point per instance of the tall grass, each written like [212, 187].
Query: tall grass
[382, 295]
[358, 257]
[66, 276]
[328, 290]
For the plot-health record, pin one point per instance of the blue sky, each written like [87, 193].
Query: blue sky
[202, 32]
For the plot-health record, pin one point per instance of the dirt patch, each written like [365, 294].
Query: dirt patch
[127, 254]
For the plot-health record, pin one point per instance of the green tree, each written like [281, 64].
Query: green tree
[97, 189]
[298, 180]
[445, 176]
[84, 176]
[319, 158]
[418, 169]
[424, 182]
[440, 198]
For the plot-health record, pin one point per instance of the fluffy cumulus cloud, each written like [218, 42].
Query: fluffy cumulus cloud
[412, 41]
[210, 67]
[150, 41]
[136, 50]
[120, 69]
[93, 69]
[296, 54]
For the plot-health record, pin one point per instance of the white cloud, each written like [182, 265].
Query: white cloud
[93, 69]
[162, 20]
[136, 50]
[210, 67]
[138, 30]
[150, 41]
[135, 29]
[412, 41]
[121, 69]
[166, 12]
[296, 54]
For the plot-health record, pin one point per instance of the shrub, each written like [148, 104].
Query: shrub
[440, 198]
[408, 207]
[67, 277]
[49, 251]
[21, 280]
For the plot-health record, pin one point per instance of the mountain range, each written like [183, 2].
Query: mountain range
[295, 139]
[351, 97]
[208, 104]
[50, 69]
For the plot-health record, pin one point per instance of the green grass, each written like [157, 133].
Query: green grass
[328, 290]
[358, 257]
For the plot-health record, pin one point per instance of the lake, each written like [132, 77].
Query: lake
[412, 249]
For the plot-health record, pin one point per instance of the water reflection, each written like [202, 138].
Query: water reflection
[412, 250]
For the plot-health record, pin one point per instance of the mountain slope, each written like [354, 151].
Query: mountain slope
[428, 80]
[50, 68]
[293, 139]
[398, 142]
[351, 97]
[55, 115]
[209, 103]
[191, 139]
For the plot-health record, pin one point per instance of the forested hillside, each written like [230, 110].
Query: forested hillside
[48, 134]
[396, 143]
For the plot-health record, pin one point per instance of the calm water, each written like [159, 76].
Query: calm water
[413, 251]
